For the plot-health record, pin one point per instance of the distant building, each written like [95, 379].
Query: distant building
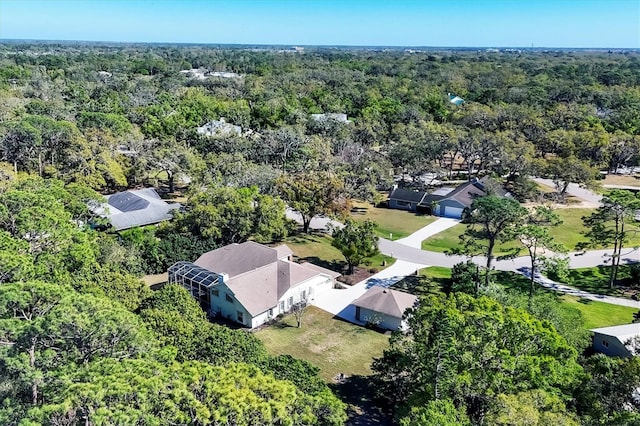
[456, 100]
[133, 208]
[202, 74]
[223, 74]
[342, 118]
[219, 128]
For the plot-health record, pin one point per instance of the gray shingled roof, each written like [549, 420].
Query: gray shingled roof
[259, 275]
[386, 301]
[407, 195]
[133, 208]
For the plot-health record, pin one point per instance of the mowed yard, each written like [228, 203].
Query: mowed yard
[595, 314]
[333, 345]
[569, 233]
[391, 222]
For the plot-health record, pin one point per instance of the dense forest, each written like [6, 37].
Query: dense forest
[84, 341]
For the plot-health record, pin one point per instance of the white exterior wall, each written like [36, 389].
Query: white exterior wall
[381, 320]
[609, 345]
[312, 287]
[225, 309]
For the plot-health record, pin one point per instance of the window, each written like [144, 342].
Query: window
[605, 343]
[282, 306]
[215, 292]
[228, 297]
[303, 295]
[290, 302]
[240, 317]
[403, 203]
[270, 312]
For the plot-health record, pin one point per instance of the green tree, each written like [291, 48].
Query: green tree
[46, 326]
[465, 277]
[144, 391]
[564, 171]
[440, 412]
[611, 224]
[356, 240]
[230, 215]
[535, 407]
[470, 350]
[179, 321]
[490, 220]
[606, 394]
[534, 235]
[311, 194]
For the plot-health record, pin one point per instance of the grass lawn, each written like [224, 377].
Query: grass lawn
[317, 248]
[599, 314]
[430, 280]
[450, 239]
[333, 345]
[399, 223]
[627, 180]
[596, 279]
[569, 234]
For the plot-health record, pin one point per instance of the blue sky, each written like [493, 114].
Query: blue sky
[496, 23]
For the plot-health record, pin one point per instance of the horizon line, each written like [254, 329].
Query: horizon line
[194, 43]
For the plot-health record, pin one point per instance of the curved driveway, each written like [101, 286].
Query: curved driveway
[410, 258]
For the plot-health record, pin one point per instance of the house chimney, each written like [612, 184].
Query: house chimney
[223, 277]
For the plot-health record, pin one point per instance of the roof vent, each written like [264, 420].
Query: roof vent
[384, 291]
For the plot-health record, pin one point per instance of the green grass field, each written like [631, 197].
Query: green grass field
[596, 279]
[599, 314]
[333, 345]
[430, 280]
[450, 239]
[390, 221]
[317, 248]
[569, 233]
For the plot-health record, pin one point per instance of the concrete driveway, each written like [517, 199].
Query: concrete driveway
[416, 239]
[338, 301]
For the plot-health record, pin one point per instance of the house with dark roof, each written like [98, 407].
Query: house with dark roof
[250, 283]
[444, 202]
[456, 201]
[405, 199]
[384, 307]
[133, 208]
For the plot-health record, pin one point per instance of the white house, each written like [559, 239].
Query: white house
[335, 116]
[616, 340]
[384, 307]
[250, 283]
[219, 128]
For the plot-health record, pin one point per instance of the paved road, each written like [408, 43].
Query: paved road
[410, 258]
[575, 190]
[562, 288]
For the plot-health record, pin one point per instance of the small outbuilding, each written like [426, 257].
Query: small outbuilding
[616, 340]
[384, 307]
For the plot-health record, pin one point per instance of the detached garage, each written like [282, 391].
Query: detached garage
[384, 307]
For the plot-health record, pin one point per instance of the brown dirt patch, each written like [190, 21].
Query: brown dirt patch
[359, 274]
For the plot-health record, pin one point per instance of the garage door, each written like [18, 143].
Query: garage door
[454, 212]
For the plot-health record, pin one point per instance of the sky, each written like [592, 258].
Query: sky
[447, 23]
